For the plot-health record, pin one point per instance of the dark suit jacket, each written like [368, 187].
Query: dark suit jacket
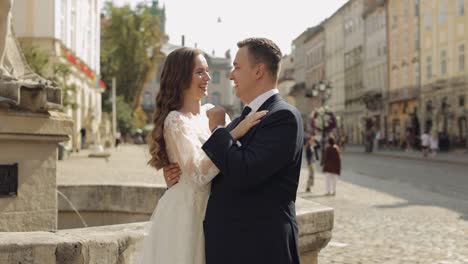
[251, 215]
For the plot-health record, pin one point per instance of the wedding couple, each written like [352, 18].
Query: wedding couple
[232, 184]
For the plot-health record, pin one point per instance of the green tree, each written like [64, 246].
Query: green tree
[130, 49]
[39, 61]
[126, 120]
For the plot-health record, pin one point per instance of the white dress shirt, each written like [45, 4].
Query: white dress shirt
[257, 102]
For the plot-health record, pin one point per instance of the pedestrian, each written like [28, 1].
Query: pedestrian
[309, 151]
[434, 143]
[409, 139]
[331, 165]
[118, 139]
[425, 143]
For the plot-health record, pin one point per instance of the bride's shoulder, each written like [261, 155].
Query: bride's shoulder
[173, 117]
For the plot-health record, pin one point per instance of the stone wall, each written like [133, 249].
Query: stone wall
[30, 140]
[119, 243]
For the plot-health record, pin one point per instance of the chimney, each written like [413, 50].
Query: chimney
[183, 41]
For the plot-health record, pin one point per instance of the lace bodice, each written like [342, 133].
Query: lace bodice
[185, 135]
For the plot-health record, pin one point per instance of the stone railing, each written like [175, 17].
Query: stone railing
[119, 243]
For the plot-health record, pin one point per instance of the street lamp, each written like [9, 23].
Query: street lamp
[323, 91]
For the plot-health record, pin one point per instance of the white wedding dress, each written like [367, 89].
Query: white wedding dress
[175, 233]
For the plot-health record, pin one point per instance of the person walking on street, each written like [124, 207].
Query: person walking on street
[331, 165]
[425, 143]
[309, 151]
[434, 143]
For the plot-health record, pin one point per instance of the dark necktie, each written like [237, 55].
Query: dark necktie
[236, 122]
[245, 113]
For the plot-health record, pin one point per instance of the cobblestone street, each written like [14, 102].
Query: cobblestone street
[376, 227]
[377, 220]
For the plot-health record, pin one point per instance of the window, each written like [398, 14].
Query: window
[461, 101]
[215, 77]
[427, 21]
[416, 8]
[428, 68]
[461, 7]
[443, 62]
[442, 13]
[405, 74]
[395, 79]
[73, 31]
[63, 23]
[416, 40]
[216, 98]
[416, 80]
[461, 57]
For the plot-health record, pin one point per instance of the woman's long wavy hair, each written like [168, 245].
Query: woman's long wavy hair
[176, 77]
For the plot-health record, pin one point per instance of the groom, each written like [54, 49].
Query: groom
[250, 217]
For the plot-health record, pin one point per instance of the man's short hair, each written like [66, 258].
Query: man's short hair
[262, 50]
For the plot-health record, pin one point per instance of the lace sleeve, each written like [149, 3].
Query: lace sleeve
[186, 147]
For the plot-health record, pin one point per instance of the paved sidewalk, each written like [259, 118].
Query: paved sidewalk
[374, 227]
[125, 166]
[454, 157]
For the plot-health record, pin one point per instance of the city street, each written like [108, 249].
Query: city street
[391, 210]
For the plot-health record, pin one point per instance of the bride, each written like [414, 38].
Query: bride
[181, 126]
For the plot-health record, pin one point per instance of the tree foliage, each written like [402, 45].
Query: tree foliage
[130, 49]
[39, 61]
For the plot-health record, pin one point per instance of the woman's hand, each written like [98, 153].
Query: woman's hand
[172, 174]
[245, 125]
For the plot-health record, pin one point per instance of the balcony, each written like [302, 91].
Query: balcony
[404, 94]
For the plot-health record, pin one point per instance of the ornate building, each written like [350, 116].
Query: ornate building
[375, 64]
[444, 42]
[69, 31]
[404, 57]
[353, 23]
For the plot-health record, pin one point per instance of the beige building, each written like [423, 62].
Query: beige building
[70, 32]
[375, 64]
[298, 91]
[286, 78]
[353, 118]
[404, 57]
[334, 57]
[221, 90]
[444, 41]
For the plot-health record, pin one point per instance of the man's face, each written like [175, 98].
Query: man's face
[243, 75]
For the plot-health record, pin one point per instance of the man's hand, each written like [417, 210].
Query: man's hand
[217, 117]
[171, 174]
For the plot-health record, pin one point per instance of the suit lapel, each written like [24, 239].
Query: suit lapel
[265, 106]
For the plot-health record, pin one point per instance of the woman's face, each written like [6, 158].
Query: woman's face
[200, 78]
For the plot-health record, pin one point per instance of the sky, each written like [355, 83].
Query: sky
[279, 20]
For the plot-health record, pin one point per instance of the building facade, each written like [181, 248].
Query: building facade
[334, 66]
[375, 64]
[69, 31]
[404, 57]
[353, 26]
[298, 91]
[444, 84]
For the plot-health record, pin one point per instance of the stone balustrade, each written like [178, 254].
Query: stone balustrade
[119, 243]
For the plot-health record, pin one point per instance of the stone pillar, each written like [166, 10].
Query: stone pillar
[29, 141]
[28, 157]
